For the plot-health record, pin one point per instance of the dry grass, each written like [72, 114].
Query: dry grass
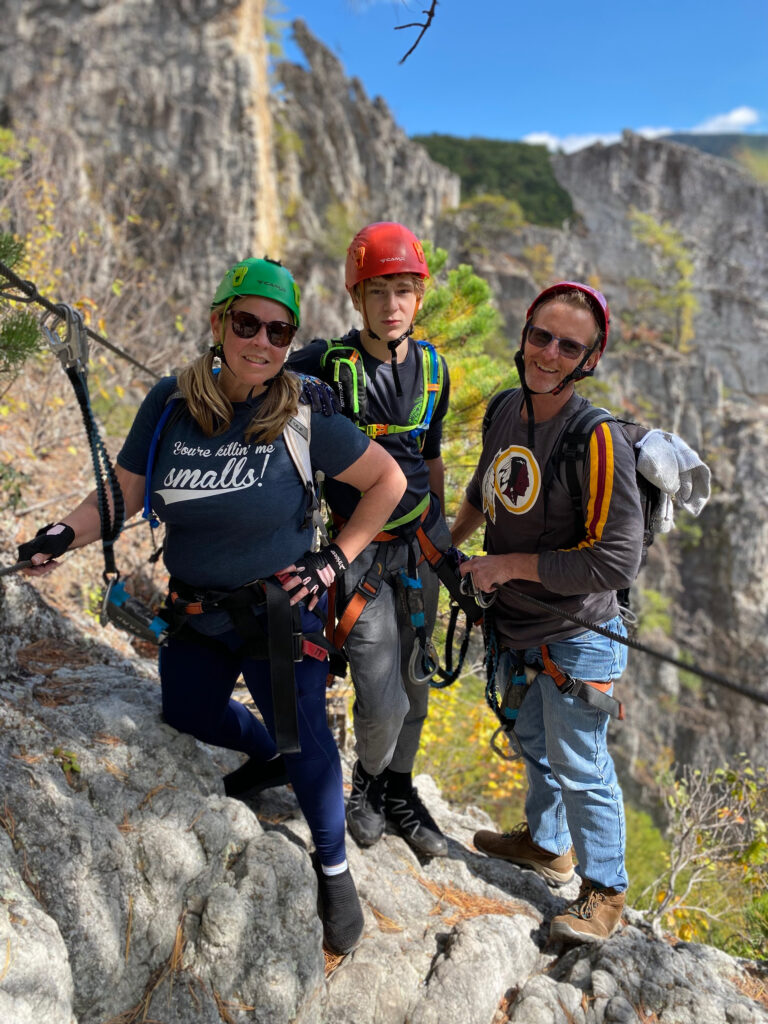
[386, 924]
[44, 656]
[332, 961]
[166, 972]
[752, 987]
[467, 905]
[147, 801]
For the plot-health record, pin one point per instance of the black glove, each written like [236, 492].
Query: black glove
[53, 540]
[319, 395]
[318, 569]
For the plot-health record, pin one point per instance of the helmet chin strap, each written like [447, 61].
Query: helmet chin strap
[391, 345]
[578, 373]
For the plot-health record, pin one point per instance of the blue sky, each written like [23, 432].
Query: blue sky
[560, 73]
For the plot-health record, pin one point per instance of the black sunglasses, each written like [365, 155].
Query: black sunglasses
[567, 347]
[248, 325]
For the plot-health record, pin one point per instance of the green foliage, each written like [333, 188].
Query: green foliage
[11, 154]
[457, 316]
[664, 306]
[455, 749]
[514, 170]
[756, 162]
[342, 220]
[11, 484]
[491, 216]
[647, 852]
[715, 882]
[19, 331]
[67, 759]
[654, 612]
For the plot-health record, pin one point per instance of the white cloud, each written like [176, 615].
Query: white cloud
[568, 143]
[736, 121]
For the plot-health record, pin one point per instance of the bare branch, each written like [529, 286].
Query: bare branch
[418, 24]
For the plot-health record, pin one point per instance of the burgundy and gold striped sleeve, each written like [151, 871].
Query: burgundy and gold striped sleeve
[608, 557]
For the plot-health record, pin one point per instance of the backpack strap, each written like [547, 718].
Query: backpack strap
[350, 378]
[297, 435]
[495, 406]
[571, 454]
[174, 406]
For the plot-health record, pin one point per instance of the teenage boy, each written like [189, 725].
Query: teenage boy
[396, 389]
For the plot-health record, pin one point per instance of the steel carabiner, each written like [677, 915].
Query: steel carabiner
[72, 349]
[468, 589]
[429, 660]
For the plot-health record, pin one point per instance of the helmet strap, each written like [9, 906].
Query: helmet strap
[392, 346]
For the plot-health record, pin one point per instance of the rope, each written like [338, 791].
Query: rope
[714, 677]
[31, 294]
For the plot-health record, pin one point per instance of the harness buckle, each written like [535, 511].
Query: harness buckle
[376, 429]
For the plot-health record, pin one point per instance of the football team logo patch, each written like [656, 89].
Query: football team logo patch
[513, 479]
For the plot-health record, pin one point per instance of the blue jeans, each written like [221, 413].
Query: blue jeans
[574, 797]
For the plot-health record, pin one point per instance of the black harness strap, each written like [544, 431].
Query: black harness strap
[285, 648]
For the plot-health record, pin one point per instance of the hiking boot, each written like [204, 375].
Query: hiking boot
[365, 818]
[411, 819]
[592, 917]
[255, 776]
[518, 848]
[338, 907]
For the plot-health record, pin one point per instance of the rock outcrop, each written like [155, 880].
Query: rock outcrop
[133, 889]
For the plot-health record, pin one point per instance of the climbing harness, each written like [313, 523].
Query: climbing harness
[270, 628]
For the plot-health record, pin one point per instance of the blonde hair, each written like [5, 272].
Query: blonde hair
[574, 297]
[213, 411]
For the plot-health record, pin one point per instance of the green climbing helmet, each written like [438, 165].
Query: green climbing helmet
[267, 278]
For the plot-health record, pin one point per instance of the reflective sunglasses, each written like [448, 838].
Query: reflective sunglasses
[247, 325]
[567, 347]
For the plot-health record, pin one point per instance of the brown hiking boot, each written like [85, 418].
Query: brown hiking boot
[592, 917]
[518, 848]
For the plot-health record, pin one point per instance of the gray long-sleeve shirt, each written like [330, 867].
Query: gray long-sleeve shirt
[580, 575]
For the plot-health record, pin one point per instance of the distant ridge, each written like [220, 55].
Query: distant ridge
[727, 146]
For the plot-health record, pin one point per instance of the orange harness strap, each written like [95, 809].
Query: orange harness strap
[598, 696]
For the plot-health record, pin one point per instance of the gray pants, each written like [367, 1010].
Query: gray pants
[389, 711]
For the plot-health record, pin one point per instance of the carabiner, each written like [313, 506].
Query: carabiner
[468, 589]
[72, 349]
[429, 661]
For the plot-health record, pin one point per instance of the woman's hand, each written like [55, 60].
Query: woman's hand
[313, 573]
[48, 544]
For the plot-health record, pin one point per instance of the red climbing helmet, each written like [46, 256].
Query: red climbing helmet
[597, 303]
[383, 248]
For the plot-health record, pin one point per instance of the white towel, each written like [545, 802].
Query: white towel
[667, 461]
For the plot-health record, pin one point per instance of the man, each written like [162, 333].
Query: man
[396, 390]
[535, 548]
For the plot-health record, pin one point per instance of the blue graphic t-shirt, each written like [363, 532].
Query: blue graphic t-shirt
[234, 510]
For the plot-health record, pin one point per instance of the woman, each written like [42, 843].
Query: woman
[237, 540]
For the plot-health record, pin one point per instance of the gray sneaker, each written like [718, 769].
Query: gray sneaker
[365, 817]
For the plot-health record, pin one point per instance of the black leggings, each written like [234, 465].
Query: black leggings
[198, 678]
